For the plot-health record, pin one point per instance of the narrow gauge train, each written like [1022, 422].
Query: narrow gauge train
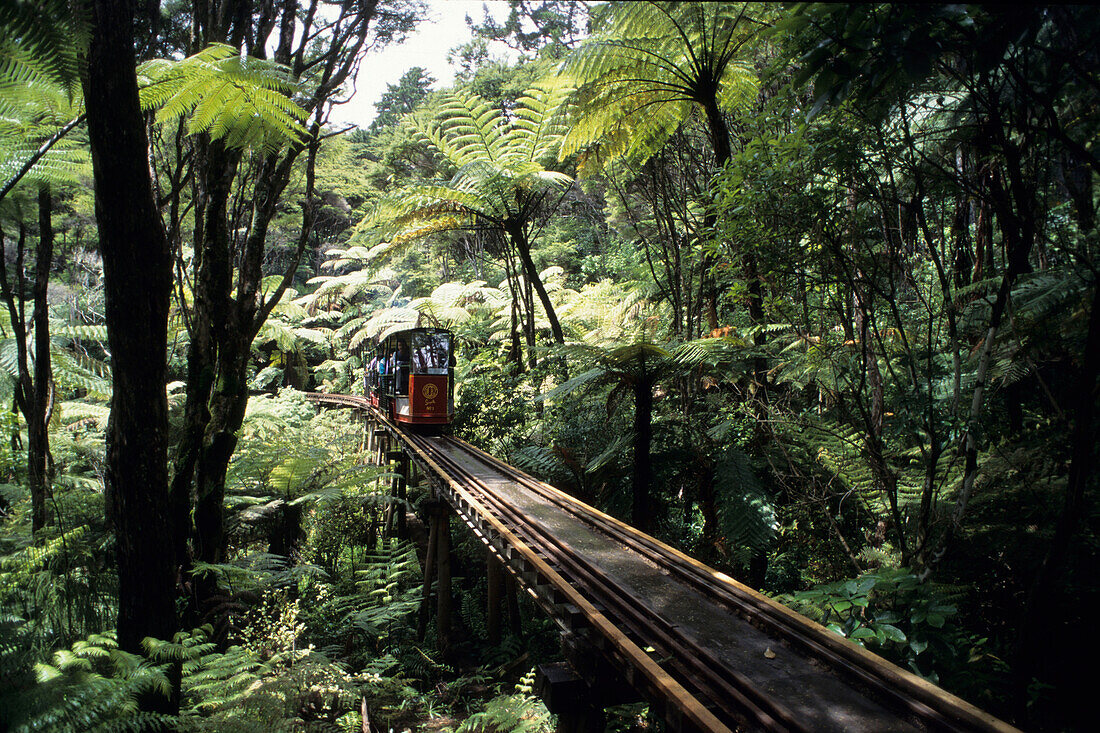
[410, 378]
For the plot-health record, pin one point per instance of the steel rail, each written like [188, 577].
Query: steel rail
[930, 704]
[739, 699]
[666, 687]
[918, 699]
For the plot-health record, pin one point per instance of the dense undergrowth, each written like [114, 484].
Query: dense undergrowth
[298, 640]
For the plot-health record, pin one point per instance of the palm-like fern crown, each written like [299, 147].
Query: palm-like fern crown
[41, 40]
[639, 80]
[246, 102]
[39, 90]
[499, 159]
[242, 100]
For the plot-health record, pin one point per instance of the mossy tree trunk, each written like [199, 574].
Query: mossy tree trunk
[137, 269]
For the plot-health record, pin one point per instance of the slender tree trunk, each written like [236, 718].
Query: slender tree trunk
[228, 313]
[643, 435]
[518, 235]
[137, 283]
[515, 350]
[708, 507]
[720, 136]
[209, 314]
[38, 434]
[32, 389]
[233, 326]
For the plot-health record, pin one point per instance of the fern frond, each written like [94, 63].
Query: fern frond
[654, 63]
[241, 100]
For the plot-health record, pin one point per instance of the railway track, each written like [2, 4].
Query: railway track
[709, 653]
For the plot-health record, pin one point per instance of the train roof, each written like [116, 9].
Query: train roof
[399, 330]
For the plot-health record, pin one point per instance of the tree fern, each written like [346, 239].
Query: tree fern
[500, 184]
[652, 64]
[520, 712]
[43, 38]
[746, 514]
[239, 99]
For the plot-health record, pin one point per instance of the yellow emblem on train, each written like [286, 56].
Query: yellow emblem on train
[430, 391]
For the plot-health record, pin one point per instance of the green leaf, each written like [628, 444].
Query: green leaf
[893, 633]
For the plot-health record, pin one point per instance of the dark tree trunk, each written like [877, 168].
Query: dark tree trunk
[1035, 656]
[227, 314]
[208, 327]
[720, 136]
[33, 386]
[643, 435]
[708, 507]
[38, 418]
[227, 407]
[515, 349]
[137, 283]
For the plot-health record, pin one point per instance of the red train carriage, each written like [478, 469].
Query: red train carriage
[411, 378]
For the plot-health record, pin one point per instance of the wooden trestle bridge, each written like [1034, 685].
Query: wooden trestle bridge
[641, 620]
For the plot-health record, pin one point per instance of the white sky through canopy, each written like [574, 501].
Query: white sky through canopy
[444, 28]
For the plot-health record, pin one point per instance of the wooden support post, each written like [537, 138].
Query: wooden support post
[604, 684]
[567, 696]
[495, 574]
[402, 496]
[379, 445]
[443, 581]
[395, 509]
[511, 600]
[429, 568]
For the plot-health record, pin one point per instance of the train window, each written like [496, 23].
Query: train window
[431, 352]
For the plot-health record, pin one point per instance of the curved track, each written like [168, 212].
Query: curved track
[708, 652]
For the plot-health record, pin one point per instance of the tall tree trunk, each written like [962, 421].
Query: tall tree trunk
[641, 512]
[515, 349]
[227, 315]
[720, 137]
[38, 434]
[208, 326]
[227, 407]
[137, 284]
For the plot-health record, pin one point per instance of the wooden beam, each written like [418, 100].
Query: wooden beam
[495, 575]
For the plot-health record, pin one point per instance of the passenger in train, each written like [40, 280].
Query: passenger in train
[372, 368]
[400, 358]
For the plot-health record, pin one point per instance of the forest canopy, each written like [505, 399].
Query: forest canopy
[806, 291]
